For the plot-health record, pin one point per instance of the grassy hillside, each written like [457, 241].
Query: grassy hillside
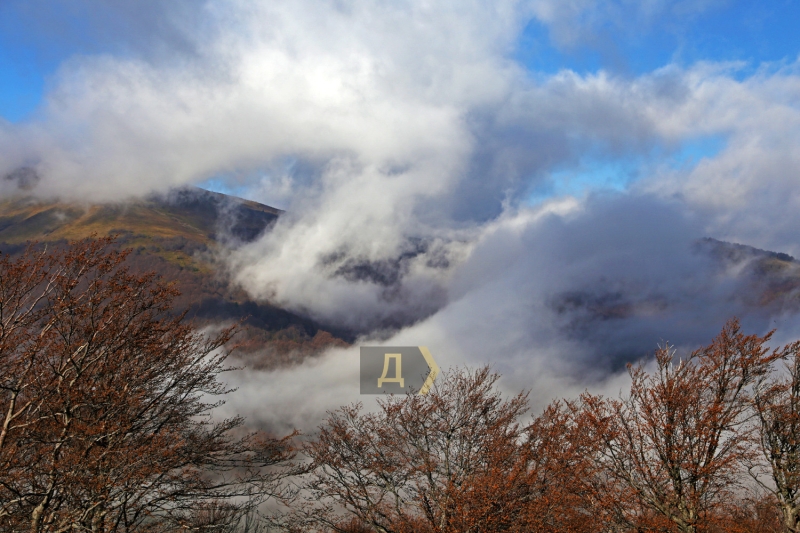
[179, 235]
[192, 215]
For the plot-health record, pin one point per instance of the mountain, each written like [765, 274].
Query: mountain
[765, 280]
[771, 279]
[181, 235]
[194, 214]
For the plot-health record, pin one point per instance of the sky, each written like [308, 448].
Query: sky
[518, 183]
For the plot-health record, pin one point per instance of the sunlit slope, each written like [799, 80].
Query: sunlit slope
[181, 236]
[179, 227]
[195, 214]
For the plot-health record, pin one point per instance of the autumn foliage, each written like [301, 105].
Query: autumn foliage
[707, 442]
[679, 439]
[105, 403]
[106, 400]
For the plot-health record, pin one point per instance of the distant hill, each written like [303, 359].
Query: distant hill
[180, 235]
[194, 214]
[772, 278]
[766, 281]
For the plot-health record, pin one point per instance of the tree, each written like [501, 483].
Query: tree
[777, 406]
[458, 459]
[678, 440]
[553, 486]
[754, 514]
[104, 395]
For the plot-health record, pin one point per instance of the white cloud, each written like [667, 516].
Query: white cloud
[404, 141]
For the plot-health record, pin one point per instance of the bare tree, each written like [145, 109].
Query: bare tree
[777, 406]
[458, 459]
[677, 441]
[105, 401]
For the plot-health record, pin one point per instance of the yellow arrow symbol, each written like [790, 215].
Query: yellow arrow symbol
[433, 373]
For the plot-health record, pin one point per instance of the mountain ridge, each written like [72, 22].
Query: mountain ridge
[183, 233]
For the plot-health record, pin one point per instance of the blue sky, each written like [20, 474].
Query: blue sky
[37, 37]
[748, 31]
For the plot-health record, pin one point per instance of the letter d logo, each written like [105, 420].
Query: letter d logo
[397, 369]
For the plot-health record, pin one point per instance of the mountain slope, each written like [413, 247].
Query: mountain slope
[180, 235]
[766, 280]
[194, 214]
